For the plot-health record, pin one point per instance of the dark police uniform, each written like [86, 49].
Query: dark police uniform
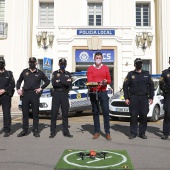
[137, 87]
[7, 83]
[60, 97]
[32, 81]
[165, 87]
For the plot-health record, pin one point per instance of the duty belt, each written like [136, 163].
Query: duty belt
[60, 89]
[28, 90]
[139, 94]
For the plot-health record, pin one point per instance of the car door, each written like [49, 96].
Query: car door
[78, 96]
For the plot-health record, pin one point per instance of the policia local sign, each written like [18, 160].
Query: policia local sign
[95, 32]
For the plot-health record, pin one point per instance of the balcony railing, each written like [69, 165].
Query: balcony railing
[3, 30]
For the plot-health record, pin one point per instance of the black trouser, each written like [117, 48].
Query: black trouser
[60, 98]
[166, 123]
[139, 106]
[32, 98]
[5, 100]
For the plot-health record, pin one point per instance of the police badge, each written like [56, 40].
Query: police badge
[58, 75]
[78, 96]
[133, 77]
[27, 73]
[168, 75]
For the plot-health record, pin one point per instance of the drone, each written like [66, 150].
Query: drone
[92, 154]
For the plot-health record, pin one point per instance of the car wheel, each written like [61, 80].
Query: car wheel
[155, 114]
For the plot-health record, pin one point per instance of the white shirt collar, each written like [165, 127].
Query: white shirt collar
[94, 65]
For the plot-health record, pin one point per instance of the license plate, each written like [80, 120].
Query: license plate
[122, 109]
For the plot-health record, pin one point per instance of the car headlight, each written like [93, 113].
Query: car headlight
[45, 95]
[117, 96]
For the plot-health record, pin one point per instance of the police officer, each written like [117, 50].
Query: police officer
[31, 93]
[61, 82]
[164, 83]
[7, 85]
[138, 90]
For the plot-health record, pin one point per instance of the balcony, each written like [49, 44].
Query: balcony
[3, 30]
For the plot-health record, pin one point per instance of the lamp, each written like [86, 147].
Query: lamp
[42, 40]
[144, 41]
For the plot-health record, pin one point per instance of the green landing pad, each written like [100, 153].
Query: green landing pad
[114, 159]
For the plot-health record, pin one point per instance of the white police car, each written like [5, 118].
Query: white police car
[78, 96]
[118, 108]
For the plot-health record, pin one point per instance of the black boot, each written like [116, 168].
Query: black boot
[36, 133]
[22, 133]
[6, 134]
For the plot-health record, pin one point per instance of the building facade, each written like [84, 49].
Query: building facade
[76, 29]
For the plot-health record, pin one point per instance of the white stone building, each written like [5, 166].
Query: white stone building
[81, 27]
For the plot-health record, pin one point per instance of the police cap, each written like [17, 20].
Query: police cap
[32, 59]
[138, 60]
[62, 61]
[2, 60]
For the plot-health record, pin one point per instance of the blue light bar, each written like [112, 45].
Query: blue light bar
[81, 73]
[156, 76]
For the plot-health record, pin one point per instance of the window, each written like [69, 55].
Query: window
[2, 10]
[81, 83]
[147, 65]
[48, 73]
[46, 15]
[142, 15]
[95, 14]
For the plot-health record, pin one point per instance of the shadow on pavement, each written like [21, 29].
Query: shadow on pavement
[87, 127]
[155, 130]
[121, 128]
[125, 129]
[15, 127]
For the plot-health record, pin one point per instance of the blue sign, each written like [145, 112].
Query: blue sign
[47, 63]
[95, 32]
[88, 56]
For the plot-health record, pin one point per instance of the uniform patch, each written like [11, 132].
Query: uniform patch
[66, 75]
[133, 77]
[52, 76]
[58, 75]
[168, 75]
[27, 73]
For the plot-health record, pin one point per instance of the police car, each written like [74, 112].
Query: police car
[118, 108]
[78, 96]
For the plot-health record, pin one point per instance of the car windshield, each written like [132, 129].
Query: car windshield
[49, 86]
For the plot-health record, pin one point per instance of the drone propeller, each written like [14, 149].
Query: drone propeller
[104, 154]
[81, 154]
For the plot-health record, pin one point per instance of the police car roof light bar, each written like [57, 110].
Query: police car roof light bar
[81, 73]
